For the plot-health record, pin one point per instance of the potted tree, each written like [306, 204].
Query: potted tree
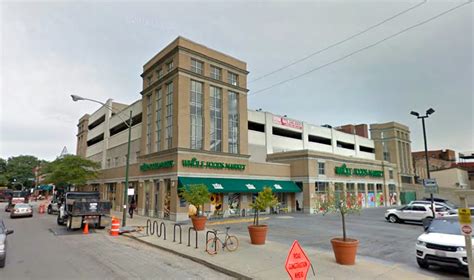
[258, 232]
[197, 195]
[345, 249]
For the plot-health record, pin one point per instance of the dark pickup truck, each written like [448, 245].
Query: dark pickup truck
[78, 208]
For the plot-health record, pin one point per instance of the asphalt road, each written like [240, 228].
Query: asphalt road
[380, 240]
[34, 252]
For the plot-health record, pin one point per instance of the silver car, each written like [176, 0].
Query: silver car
[3, 242]
[21, 210]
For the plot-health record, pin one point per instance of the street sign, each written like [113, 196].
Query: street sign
[297, 263]
[431, 186]
[464, 215]
[466, 229]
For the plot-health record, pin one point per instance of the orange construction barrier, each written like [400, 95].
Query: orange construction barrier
[114, 229]
[86, 228]
[41, 208]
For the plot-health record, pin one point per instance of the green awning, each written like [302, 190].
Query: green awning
[227, 185]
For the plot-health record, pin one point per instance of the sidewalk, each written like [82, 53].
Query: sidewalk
[266, 261]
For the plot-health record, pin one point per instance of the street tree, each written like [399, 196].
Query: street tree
[70, 170]
[19, 171]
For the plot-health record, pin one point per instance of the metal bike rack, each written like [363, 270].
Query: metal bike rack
[189, 236]
[207, 237]
[148, 227]
[152, 228]
[162, 225]
[174, 232]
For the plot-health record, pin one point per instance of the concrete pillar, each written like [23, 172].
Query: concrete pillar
[119, 196]
[308, 197]
[141, 198]
[269, 132]
[206, 126]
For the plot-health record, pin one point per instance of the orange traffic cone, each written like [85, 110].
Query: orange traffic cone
[86, 229]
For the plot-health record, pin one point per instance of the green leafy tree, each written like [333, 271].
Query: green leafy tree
[264, 199]
[19, 170]
[336, 203]
[70, 170]
[197, 195]
[3, 173]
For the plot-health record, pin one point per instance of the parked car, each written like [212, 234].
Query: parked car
[53, 207]
[3, 242]
[442, 244]
[21, 210]
[455, 212]
[445, 203]
[414, 213]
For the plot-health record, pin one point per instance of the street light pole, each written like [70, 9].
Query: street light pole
[428, 112]
[129, 126]
[125, 192]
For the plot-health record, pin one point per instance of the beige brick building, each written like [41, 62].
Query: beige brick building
[192, 125]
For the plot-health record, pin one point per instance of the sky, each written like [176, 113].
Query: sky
[50, 50]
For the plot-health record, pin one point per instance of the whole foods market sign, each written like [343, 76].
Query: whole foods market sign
[345, 171]
[194, 163]
[156, 165]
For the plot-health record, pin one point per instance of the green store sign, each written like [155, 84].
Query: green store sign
[194, 163]
[156, 165]
[345, 171]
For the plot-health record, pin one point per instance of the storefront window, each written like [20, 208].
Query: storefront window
[233, 201]
[380, 196]
[371, 195]
[361, 199]
[392, 192]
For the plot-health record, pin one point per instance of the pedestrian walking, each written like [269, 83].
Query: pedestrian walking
[133, 205]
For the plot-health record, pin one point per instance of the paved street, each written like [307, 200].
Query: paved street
[379, 239]
[34, 252]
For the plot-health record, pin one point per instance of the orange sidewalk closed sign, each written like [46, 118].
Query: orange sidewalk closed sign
[464, 216]
[297, 263]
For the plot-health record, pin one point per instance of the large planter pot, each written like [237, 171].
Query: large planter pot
[258, 234]
[199, 222]
[345, 251]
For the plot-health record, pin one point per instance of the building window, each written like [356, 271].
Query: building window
[159, 73]
[169, 115]
[216, 73]
[321, 168]
[197, 66]
[148, 123]
[390, 174]
[159, 106]
[196, 113]
[216, 119]
[169, 66]
[148, 79]
[108, 163]
[233, 79]
[233, 108]
[116, 161]
[321, 187]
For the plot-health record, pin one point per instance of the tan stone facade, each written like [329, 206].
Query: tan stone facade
[194, 108]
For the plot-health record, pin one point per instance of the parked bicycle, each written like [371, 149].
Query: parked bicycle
[230, 242]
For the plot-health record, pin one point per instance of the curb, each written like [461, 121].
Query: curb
[194, 259]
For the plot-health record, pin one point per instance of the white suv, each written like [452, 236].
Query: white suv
[413, 213]
[442, 244]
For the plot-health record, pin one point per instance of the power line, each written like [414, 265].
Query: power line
[339, 42]
[361, 49]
